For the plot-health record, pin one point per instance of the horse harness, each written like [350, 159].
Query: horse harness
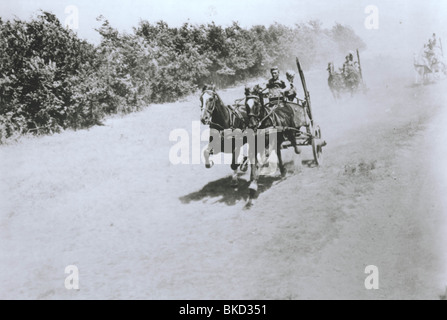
[270, 115]
[234, 112]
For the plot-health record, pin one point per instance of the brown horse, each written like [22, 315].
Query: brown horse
[428, 69]
[335, 81]
[340, 82]
[279, 120]
[226, 125]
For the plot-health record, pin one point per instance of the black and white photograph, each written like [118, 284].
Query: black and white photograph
[216, 150]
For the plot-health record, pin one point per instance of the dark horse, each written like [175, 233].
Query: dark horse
[353, 80]
[339, 82]
[225, 125]
[279, 118]
[335, 81]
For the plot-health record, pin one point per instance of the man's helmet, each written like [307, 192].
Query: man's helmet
[274, 68]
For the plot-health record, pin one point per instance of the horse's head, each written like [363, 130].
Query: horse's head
[253, 105]
[208, 101]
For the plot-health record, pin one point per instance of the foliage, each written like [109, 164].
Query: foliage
[40, 64]
[51, 80]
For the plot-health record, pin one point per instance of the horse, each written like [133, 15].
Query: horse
[352, 79]
[421, 67]
[265, 118]
[335, 81]
[428, 65]
[222, 118]
[339, 82]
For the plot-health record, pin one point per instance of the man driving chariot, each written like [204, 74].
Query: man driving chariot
[350, 66]
[278, 91]
[351, 71]
[275, 86]
[432, 52]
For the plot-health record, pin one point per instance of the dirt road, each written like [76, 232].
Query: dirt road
[109, 201]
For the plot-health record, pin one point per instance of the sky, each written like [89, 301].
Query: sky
[402, 24]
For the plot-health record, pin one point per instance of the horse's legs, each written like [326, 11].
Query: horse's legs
[280, 162]
[417, 76]
[253, 187]
[420, 76]
[245, 151]
[292, 139]
[351, 89]
[242, 158]
[334, 94]
[206, 153]
[234, 179]
[244, 164]
[234, 167]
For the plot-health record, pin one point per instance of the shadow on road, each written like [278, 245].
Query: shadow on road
[221, 190]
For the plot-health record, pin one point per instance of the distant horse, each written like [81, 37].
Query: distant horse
[222, 118]
[265, 117]
[335, 81]
[428, 67]
[339, 82]
[352, 79]
[422, 68]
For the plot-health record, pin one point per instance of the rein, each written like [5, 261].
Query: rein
[216, 124]
[269, 114]
[236, 114]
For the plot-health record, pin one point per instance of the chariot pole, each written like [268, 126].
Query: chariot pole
[440, 43]
[360, 66]
[306, 92]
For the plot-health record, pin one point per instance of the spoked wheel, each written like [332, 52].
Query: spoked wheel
[317, 149]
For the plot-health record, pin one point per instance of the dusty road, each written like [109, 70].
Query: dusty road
[109, 201]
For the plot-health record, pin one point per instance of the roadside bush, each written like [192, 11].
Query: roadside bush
[51, 80]
[38, 62]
